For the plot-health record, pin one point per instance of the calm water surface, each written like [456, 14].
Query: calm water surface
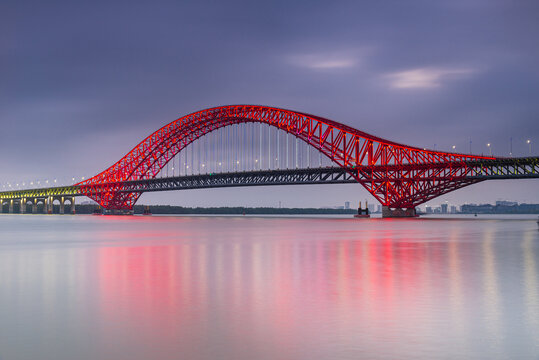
[105, 287]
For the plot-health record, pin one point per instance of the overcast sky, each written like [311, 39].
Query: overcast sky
[81, 83]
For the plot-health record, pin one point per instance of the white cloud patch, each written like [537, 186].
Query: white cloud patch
[424, 77]
[325, 61]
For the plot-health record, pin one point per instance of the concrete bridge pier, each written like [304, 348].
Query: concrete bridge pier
[47, 209]
[73, 205]
[22, 206]
[388, 212]
[62, 205]
[34, 206]
[11, 206]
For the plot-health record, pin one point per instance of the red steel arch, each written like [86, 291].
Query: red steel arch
[397, 175]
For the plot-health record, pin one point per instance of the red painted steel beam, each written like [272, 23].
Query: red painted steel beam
[347, 147]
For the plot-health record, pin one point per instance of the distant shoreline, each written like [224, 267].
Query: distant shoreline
[238, 210]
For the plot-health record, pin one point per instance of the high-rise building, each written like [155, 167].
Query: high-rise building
[347, 205]
[444, 208]
[428, 209]
[453, 209]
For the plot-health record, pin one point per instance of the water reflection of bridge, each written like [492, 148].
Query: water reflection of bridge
[265, 283]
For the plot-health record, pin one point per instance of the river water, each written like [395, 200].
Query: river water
[107, 287]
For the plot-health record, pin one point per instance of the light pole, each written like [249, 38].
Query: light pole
[529, 145]
[454, 148]
[489, 149]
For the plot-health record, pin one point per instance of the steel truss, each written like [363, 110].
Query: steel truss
[345, 146]
[419, 183]
[247, 178]
[39, 193]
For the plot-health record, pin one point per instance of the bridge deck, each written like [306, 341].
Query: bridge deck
[505, 168]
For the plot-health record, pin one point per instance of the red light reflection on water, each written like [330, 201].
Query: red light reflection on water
[247, 291]
[254, 295]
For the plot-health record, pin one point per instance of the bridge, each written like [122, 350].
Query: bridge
[249, 145]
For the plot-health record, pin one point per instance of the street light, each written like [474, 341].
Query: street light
[529, 145]
[454, 147]
[489, 149]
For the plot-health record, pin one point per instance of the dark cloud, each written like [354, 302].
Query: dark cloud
[96, 77]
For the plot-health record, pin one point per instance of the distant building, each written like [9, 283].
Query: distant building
[506, 203]
[500, 209]
[347, 205]
[371, 208]
[428, 210]
[443, 208]
[453, 209]
[379, 208]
